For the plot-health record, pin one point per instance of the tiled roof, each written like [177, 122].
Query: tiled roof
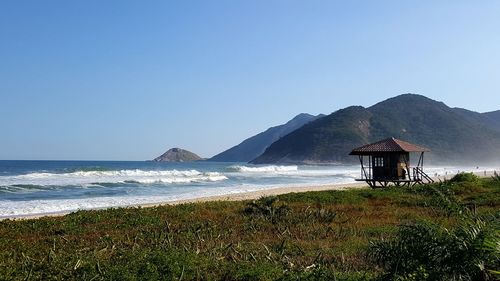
[388, 145]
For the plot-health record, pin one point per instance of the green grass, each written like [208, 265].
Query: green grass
[322, 235]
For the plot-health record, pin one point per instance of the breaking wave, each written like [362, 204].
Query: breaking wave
[103, 178]
[261, 169]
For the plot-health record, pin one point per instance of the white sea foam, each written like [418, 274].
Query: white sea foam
[48, 206]
[9, 209]
[120, 176]
[262, 169]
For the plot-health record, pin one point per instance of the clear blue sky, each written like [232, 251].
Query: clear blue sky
[126, 80]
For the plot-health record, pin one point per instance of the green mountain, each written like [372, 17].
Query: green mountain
[254, 146]
[453, 135]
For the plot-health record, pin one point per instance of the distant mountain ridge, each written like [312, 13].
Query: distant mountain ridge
[177, 155]
[254, 146]
[493, 118]
[453, 134]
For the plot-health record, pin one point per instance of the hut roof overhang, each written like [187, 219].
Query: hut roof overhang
[390, 145]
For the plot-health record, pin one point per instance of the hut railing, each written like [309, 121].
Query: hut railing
[419, 175]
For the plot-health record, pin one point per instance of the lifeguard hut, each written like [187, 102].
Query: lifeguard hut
[388, 161]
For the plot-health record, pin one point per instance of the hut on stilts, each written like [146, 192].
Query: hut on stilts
[388, 162]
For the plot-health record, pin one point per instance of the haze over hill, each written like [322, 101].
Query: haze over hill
[254, 146]
[452, 134]
[493, 118]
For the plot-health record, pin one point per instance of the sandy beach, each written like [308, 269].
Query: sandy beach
[226, 197]
[284, 190]
[251, 195]
[268, 192]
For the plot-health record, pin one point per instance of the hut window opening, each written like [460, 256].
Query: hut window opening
[379, 161]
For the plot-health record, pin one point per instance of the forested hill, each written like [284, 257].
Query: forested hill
[453, 134]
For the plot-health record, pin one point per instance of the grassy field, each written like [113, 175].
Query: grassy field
[439, 232]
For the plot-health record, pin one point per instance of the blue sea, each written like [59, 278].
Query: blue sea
[45, 187]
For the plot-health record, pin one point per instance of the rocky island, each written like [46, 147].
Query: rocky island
[177, 155]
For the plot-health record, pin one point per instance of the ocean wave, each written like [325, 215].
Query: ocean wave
[107, 178]
[261, 169]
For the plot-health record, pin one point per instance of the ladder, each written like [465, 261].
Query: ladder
[421, 177]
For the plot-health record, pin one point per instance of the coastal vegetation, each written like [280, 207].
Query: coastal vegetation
[444, 231]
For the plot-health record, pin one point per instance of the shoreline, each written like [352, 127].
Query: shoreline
[249, 195]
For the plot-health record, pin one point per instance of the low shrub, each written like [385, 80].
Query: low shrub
[496, 176]
[320, 214]
[267, 208]
[465, 177]
[429, 251]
